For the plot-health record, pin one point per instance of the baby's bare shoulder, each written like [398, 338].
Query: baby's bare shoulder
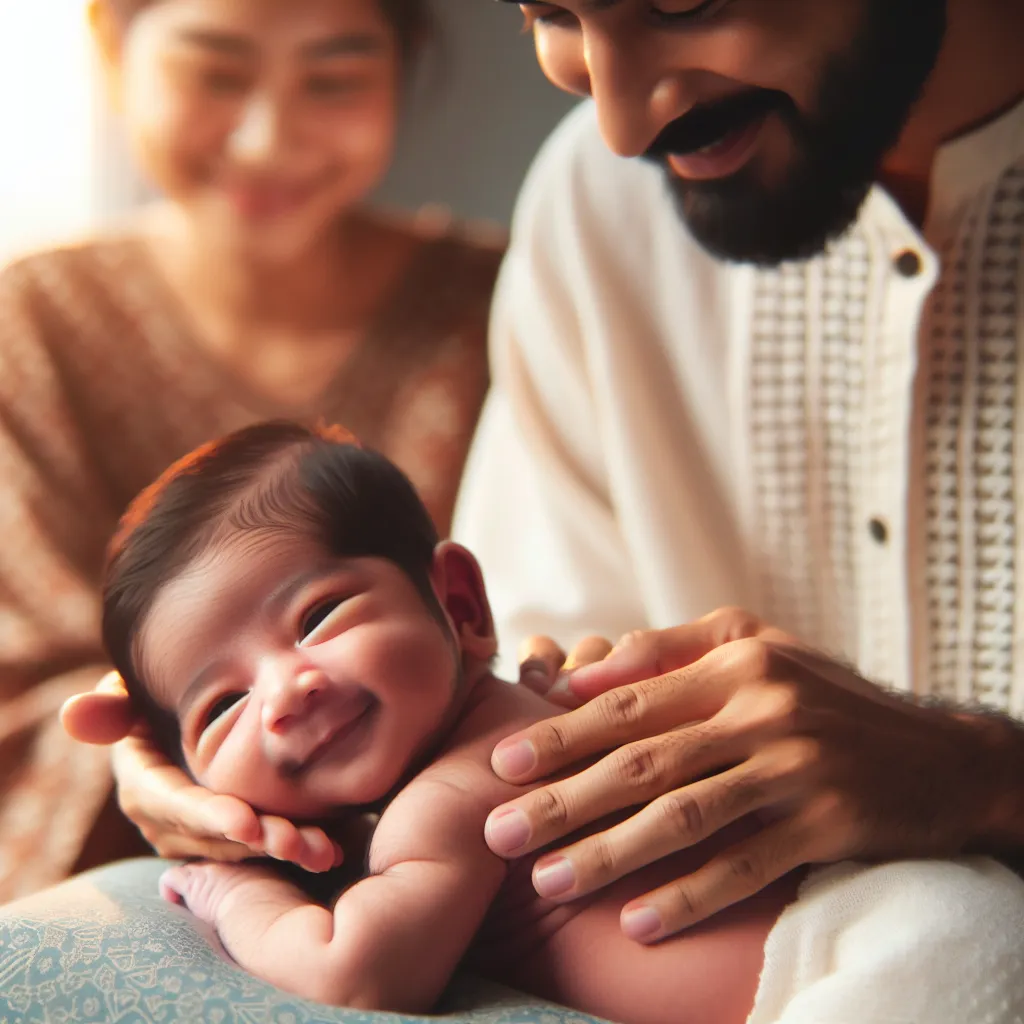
[495, 710]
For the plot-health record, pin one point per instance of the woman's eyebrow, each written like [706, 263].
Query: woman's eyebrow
[219, 42]
[347, 44]
[344, 44]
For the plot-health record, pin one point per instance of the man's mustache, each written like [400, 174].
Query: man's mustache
[710, 122]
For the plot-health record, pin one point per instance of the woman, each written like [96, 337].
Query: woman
[259, 287]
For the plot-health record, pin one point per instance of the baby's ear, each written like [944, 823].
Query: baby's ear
[459, 585]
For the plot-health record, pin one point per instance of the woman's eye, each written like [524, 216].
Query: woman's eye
[221, 707]
[317, 617]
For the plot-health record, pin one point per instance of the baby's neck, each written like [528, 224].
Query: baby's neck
[476, 686]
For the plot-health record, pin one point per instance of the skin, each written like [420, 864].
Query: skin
[643, 69]
[316, 644]
[265, 126]
[782, 732]
[809, 774]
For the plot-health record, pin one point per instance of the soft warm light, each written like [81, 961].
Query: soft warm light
[47, 169]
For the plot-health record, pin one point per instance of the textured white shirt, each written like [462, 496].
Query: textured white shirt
[830, 444]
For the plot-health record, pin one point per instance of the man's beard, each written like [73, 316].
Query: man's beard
[865, 100]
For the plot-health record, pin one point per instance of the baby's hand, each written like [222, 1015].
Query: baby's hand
[207, 888]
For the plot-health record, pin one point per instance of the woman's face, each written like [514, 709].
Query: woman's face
[263, 120]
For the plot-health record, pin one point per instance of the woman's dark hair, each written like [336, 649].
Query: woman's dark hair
[411, 20]
[272, 477]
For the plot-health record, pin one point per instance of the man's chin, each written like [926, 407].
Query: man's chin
[736, 222]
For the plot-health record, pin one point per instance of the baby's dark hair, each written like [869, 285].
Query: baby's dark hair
[271, 477]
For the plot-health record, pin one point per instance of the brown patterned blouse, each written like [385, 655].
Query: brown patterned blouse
[101, 387]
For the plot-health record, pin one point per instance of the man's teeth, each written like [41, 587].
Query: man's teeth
[712, 145]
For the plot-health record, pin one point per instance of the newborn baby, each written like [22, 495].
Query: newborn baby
[280, 608]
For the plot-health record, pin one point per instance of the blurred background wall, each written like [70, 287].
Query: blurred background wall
[47, 120]
[470, 131]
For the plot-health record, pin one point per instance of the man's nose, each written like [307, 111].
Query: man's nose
[256, 136]
[636, 92]
[289, 694]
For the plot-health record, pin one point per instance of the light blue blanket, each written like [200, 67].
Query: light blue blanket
[105, 948]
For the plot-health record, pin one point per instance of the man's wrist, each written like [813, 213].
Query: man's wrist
[997, 788]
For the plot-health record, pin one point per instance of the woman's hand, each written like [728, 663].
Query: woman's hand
[709, 723]
[178, 818]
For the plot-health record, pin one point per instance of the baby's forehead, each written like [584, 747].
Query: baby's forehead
[212, 595]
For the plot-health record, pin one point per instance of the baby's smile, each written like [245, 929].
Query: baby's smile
[345, 735]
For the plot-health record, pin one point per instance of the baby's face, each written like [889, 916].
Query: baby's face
[302, 683]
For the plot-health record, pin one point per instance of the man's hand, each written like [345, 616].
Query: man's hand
[177, 817]
[724, 719]
[544, 666]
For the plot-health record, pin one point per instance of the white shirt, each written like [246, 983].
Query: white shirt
[829, 444]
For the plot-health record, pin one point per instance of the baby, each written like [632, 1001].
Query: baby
[279, 606]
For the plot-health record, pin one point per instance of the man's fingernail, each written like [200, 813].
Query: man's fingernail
[642, 924]
[561, 684]
[507, 831]
[534, 676]
[515, 760]
[554, 878]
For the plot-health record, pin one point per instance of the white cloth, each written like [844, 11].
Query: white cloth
[916, 942]
[829, 444]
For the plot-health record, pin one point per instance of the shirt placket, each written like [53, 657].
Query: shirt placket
[904, 270]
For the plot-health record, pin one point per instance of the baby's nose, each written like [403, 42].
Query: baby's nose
[291, 698]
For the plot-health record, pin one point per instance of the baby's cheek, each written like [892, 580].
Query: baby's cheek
[416, 653]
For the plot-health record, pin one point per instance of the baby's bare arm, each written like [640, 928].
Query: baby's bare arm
[394, 939]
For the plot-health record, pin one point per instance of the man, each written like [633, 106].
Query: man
[756, 344]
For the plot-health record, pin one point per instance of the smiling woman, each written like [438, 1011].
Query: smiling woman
[260, 285]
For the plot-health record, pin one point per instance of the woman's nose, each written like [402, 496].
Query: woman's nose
[255, 138]
[289, 696]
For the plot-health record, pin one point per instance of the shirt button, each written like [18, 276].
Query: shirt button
[908, 263]
[878, 530]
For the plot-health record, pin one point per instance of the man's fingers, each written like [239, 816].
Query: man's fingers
[632, 775]
[676, 821]
[540, 661]
[588, 651]
[734, 875]
[619, 716]
[645, 655]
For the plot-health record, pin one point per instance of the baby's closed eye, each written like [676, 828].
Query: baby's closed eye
[317, 616]
[221, 707]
